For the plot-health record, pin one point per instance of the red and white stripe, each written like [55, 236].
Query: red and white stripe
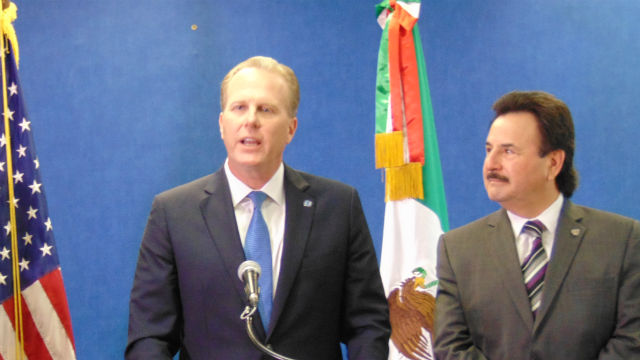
[46, 322]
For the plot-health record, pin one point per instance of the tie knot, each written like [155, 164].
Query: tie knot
[534, 226]
[257, 197]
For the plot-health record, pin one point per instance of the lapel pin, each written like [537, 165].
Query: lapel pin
[307, 203]
[575, 232]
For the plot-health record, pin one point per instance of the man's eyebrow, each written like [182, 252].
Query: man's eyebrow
[507, 145]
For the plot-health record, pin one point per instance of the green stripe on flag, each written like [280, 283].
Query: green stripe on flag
[434, 196]
[382, 82]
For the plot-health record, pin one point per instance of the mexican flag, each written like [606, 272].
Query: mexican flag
[416, 209]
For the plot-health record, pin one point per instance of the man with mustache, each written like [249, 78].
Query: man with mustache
[541, 278]
[320, 283]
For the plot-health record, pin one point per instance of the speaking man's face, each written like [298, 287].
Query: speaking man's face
[255, 124]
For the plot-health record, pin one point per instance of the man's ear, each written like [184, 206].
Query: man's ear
[293, 126]
[220, 126]
[556, 161]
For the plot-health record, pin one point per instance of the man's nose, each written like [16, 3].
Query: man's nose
[252, 117]
[491, 160]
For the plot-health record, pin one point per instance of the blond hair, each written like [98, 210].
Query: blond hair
[271, 65]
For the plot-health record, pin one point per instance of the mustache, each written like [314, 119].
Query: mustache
[494, 175]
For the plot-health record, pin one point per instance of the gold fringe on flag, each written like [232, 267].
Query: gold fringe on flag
[404, 182]
[389, 150]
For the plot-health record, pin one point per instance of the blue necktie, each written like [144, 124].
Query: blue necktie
[257, 247]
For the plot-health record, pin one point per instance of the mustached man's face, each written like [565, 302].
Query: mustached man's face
[515, 175]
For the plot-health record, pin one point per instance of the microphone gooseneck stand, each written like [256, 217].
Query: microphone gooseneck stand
[247, 315]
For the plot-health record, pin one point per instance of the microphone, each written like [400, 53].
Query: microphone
[249, 272]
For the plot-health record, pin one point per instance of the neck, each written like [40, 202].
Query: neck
[534, 207]
[253, 177]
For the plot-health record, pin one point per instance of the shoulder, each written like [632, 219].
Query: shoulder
[600, 219]
[467, 241]
[477, 227]
[194, 189]
[314, 184]
[593, 213]
[330, 196]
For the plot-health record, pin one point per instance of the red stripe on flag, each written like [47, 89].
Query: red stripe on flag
[406, 106]
[411, 91]
[395, 78]
[54, 287]
[34, 346]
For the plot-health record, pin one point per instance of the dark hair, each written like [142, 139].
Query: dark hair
[555, 125]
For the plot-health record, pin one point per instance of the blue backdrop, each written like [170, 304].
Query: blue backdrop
[123, 97]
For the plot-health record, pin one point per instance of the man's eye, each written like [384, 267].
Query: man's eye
[238, 107]
[266, 109]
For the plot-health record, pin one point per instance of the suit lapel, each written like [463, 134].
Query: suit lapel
[300, 209]
[506, 260]
[567, 242]
[217, 211]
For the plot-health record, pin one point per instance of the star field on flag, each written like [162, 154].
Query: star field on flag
[45, 325]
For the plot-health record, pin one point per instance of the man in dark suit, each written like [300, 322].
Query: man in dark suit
[326, 288]
[542, 278]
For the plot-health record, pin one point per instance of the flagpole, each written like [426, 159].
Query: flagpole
[17, 293]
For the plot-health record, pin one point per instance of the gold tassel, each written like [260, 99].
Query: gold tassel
[389, 150]
[404, 182]
[8, 16]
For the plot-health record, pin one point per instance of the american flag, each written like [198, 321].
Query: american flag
[45, 321]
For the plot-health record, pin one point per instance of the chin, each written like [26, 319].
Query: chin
[493, 196]
[243, 165]
[249, 159]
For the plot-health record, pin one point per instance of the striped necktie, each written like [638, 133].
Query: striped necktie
[534, 265]
[257, 247]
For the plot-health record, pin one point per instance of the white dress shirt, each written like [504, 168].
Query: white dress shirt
[273, 211]
[548, 217]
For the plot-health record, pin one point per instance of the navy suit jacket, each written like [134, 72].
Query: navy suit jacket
[187, 296]
[591, 298]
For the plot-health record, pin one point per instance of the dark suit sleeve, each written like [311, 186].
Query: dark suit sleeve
[453, 340]
[154, 309]
[625, 340]
[366, 327]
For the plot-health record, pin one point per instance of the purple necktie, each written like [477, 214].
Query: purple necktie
[534, 265]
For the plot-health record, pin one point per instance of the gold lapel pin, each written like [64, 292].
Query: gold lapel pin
[575, 232]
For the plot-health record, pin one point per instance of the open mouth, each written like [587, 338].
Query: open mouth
[249, 141]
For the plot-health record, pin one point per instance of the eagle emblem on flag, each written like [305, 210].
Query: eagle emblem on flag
[411, 309]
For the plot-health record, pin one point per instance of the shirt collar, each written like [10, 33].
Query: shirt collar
[274, 188]
[549, 217]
